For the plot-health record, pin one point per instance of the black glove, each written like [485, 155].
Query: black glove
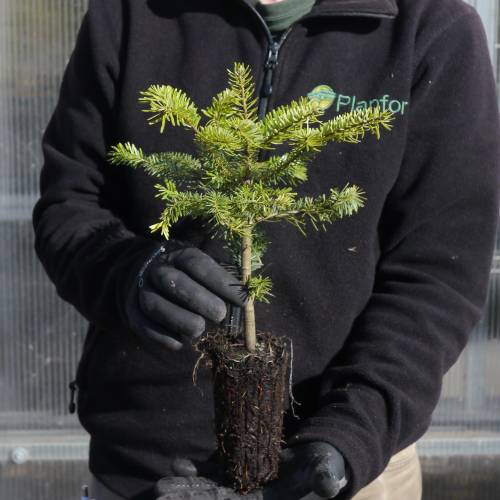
[311, 471]
[178, 288]
[198, 488]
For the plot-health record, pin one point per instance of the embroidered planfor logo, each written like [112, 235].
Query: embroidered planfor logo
[327, 97]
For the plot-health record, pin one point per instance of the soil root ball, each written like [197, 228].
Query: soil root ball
[250, 394]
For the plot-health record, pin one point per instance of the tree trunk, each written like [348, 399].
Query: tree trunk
[246, 271]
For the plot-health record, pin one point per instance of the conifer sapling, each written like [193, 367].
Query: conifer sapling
[236, 179]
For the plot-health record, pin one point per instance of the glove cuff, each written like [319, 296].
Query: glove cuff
[163, 249]
[135, 277]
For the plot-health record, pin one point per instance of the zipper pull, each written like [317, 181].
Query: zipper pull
[72, 405]
[271, 63]
[267, 85]
[272, 55]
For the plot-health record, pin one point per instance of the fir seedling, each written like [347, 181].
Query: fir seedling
[229, 180]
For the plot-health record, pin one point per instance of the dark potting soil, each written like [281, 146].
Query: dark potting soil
[250, 394]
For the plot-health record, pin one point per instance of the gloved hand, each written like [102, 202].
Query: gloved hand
[309, 471]
[177, 289]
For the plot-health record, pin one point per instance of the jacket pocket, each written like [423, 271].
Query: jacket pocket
[79, 381]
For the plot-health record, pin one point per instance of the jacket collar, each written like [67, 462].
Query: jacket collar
[381, 9]
[351, 8]
[356, 8]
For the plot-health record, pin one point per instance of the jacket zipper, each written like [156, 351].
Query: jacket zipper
[270, 65]
[271, 61]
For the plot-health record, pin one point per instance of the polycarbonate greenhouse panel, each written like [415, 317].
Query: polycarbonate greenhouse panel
[43, 449]
[41, 336]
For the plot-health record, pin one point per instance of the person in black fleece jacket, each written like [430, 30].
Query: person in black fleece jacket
[379, 306]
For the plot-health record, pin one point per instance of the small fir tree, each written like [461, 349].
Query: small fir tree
[231, 183]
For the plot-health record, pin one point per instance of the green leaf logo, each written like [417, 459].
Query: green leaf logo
[324, 95]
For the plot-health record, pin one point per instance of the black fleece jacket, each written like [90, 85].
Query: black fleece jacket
[378, 306]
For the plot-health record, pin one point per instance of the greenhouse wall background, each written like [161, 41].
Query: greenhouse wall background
[43, 450]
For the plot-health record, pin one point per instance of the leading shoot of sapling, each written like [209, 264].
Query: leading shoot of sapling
[238, 182]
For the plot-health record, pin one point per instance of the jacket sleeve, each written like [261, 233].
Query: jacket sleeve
[86, 250]
[437, 234]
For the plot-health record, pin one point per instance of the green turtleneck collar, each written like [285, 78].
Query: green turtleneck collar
[281, 15]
